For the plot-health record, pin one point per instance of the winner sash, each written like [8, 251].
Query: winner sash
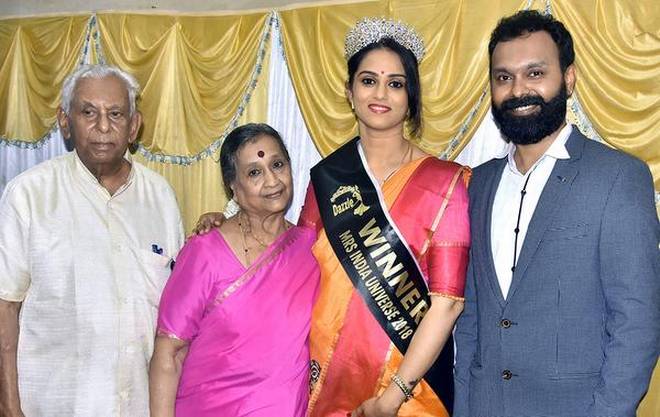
[375, 256]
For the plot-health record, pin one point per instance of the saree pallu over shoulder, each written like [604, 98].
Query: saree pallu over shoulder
[352, 356]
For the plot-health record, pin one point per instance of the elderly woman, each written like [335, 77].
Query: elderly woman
[234, 318]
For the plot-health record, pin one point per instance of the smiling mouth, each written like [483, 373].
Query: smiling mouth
[378, 108]
[275, 195]
[524, 110]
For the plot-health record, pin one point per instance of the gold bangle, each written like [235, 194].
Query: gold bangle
[407, 392]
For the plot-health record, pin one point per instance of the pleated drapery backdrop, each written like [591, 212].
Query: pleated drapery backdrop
[202, 75]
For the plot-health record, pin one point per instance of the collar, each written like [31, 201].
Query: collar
[557, 150]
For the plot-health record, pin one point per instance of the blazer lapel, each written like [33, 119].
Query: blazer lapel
[486, 219]
[552, 196]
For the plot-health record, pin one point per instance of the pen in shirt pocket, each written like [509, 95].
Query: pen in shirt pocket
[159, 251]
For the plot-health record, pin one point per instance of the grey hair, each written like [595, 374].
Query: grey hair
[99, 71]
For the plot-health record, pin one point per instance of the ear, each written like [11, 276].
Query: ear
[349, 95]
[136, 122]
[569, 79]
[63, 121]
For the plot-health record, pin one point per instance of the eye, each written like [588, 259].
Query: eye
[87, 111]
[396, 84]
[254, 172]
[115, 114]
[368, 81]
[278, 164]
[536, 74]
[502, 77]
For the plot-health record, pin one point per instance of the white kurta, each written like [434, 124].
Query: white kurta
[83, 264]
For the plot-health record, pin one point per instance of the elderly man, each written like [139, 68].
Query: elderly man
[86, 241]
[562, 312]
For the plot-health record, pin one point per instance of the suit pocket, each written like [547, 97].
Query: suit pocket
[567, 232]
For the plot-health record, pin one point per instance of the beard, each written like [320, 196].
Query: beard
[526, 130]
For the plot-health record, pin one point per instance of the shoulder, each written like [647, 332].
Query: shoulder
[203, 246]
[38, 177]
[610, 159]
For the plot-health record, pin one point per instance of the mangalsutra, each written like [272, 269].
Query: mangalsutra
[246, 250]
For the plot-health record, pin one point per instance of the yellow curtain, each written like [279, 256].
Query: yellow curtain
[195, 71]
[617, 49]
[199, 187]
[36, 54]
[201, 76]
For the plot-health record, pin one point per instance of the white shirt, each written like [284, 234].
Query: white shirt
[82, 264]
[507, 203]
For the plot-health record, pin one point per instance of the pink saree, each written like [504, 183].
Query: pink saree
[248, 329]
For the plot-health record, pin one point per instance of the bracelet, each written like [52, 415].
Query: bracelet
[407, 392]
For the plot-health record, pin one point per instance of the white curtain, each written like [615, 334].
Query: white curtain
[284, 116]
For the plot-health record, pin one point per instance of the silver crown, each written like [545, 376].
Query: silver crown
[370, 30]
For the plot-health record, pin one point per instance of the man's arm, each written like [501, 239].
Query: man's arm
[10, 404]
[630, 275]
[465, 336]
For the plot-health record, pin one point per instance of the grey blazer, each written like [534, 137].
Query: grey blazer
[579, 333]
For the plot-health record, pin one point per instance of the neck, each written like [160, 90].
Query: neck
[111, 177]
[384, 150]
[270, 225]
[527, 155]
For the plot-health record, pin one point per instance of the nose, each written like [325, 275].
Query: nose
[381, 90]
[103, 122]
[270, 178]
[519, 87]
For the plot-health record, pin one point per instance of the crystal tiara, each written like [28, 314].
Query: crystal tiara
[370, 30]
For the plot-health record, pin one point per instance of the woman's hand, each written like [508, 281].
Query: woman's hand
[208, 221]
[377, 407]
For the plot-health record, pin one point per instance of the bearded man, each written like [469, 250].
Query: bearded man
[562, 312]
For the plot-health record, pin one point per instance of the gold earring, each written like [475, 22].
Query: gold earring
[352, 106]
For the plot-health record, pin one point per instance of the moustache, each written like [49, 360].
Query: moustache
[514, 103]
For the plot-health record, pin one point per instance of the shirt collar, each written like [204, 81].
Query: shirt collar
[557, 149]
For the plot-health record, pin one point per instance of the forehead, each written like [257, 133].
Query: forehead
[109, 90]
[381, 60]
[528, 48]
[249, 152]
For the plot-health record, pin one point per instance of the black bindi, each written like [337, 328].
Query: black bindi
[260, 154]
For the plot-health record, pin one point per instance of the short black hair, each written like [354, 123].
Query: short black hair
[528, 21]
[411, 69]
[233, 143]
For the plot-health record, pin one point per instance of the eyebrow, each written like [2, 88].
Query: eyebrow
[373, 73]
[530, 65]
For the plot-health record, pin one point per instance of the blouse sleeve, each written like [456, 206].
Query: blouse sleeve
[310, 216]
[448, 253]
[187, 292]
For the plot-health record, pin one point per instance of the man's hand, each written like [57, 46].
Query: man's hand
[10, 404]
[208, 221]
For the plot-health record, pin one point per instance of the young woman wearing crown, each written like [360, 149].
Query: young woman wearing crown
[393, 239]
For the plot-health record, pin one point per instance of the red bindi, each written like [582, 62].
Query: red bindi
[260, 154]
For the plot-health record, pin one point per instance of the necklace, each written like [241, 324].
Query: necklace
[403, 158]
[246, 250]
[247, 229]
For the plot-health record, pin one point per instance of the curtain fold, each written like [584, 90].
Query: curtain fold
[36, 54]
[197, 73]
[617, 49]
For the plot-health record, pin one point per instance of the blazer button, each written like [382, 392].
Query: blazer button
[505, 323]
[506, 374]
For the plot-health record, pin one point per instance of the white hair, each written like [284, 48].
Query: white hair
[99, 71]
